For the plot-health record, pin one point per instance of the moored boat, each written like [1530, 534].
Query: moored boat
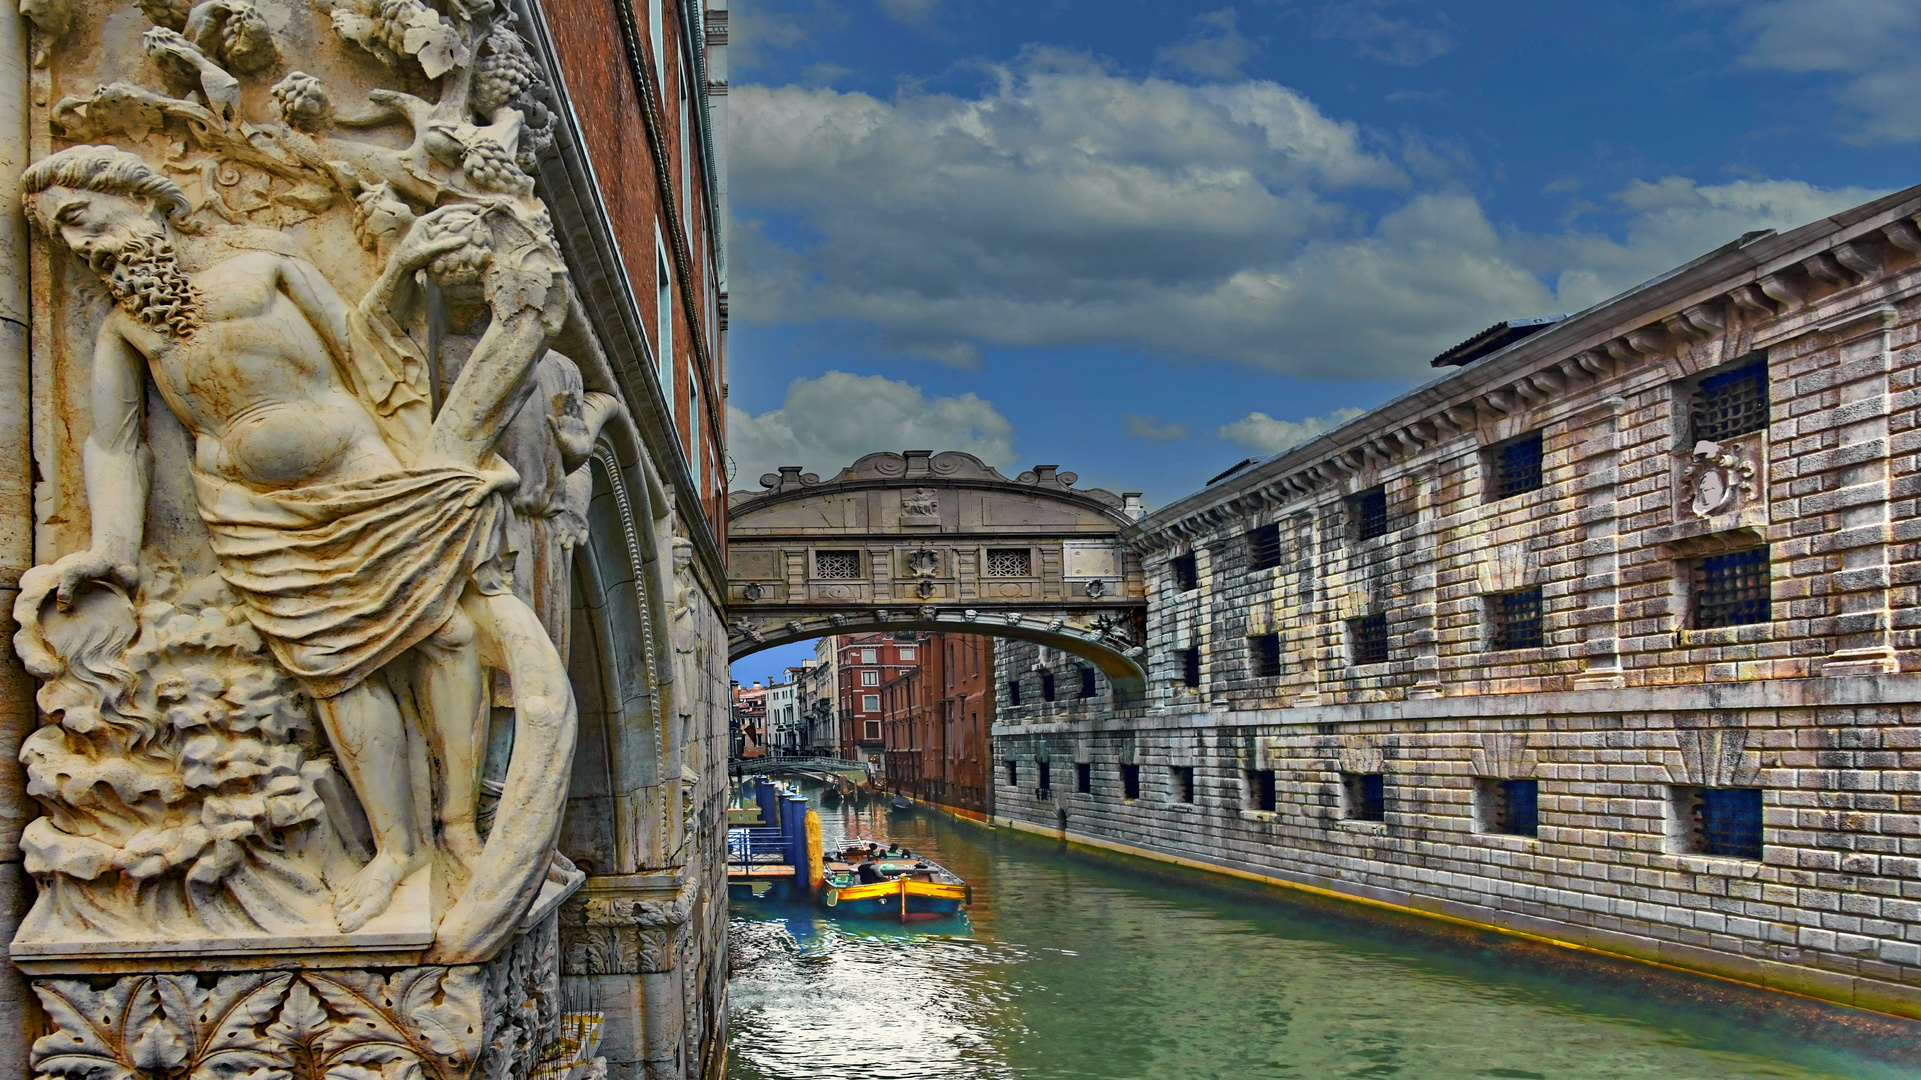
[890, 883]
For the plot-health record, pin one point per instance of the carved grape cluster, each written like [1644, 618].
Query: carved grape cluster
[503, 73]
[463, 265]
[302, 101]
[490, 167]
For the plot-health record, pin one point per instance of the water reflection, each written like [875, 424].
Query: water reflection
[1076, 967]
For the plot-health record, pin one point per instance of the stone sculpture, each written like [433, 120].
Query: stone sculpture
[270, 654]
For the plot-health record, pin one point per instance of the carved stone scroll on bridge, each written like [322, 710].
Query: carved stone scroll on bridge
[313, 394]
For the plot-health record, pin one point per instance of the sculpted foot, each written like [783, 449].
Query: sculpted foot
[369, 893]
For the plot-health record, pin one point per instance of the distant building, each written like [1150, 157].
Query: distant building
[866, 662]
[935, 723]
[783, 718]
[750, 721]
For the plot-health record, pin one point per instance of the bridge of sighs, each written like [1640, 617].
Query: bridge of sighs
[938, 541]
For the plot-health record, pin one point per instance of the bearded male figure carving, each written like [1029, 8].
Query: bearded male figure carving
[362, 539]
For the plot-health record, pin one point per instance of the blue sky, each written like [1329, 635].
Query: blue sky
[1143, 240]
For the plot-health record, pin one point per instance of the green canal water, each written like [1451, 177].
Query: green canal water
[1077, 964]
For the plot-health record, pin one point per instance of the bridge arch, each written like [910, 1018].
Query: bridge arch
[943, 542]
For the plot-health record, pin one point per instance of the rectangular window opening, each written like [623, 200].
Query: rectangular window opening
[870, 703]
[1087, 682]
[1730, 404]
[1130, 781]
[1364, 796]
[1367, 639]
[1731, 589]
[1187, 572]
[1084, 777]
[1508, 806]
[1013, 691]
[1009, 562]
[1180, 783]
[1190, 667]
[1260, 788]
[1516, 465]
[1368, 511]
[873, 730]
[1263, 547]
[1724, 822]
[1046, 770]
[1264, 651]
[1047, 686]
[1516, 620]
[1013, 773]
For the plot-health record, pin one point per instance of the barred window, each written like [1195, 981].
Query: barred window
[1013, 772]
[1009, 562]
[1517, 465]
[1260, 789]
[1180, 783]
[1084, 778]
[1264, 650]
[1087, 682]
[1047, 686]
[1047, 776]
[1364, 796]
[837, 565]
[1367, 639]
[1130, 781]
[1731, 589]
[1368, 511]
[1732, 403]
[1719, 821]
[1013, 691]
[1510, 806]
[1516, 619]
[1263, 547]
[1187, 572]
[1190, 667]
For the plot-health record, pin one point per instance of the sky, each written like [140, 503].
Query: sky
[1143, 241]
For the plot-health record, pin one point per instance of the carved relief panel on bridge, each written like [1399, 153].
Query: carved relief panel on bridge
[310, 487]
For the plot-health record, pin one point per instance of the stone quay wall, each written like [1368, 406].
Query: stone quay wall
[1703, 608]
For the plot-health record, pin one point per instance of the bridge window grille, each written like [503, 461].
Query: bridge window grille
[1731, 404]
[1720, 821]
[1084, 777]
[1046, 769]
[1130, 781]
[1190, 667]
[1087, 682]
[1731, 589]
[1265, 653]
[1367, 639]
[1013, 691]
[1260, 788]
[1180, 783]
[837, 565]
[1510, 806]
[1517, 465]
[1009, 562]
[1263, 547]
[1187, 572]
[1368, 511]
[1047, 686]
[1516, 620]
[1365, 796]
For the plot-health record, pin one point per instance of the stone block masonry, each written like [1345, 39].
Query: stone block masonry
[1606, 636]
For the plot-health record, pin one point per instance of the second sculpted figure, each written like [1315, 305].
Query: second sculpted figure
[362, 535]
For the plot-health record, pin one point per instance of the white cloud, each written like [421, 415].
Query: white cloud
[1376, 36]
[765, 25]
[910, 12]
[824, 424]
[1262, 433]
[1067, 205]
[1215, 50]
[1868, 44]
[1150, 429]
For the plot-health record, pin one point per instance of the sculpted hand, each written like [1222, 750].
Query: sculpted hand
[71, 571]
[416, 251]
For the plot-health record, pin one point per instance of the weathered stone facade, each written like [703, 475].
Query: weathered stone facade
[1688, 604]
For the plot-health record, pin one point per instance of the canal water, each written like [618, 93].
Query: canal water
[1077, 964]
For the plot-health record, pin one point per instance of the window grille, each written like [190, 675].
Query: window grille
[1047, 686]
[1517, 620]
[1517, 466]
[1087, 682]
[1260, 787]
[1516, 806]
[1013, 691]
[1722, 821]
[1130, 781]
[1366, 795]
[1263, 547]
[837, 565]
[1731, 589]
[1009, 562]
[1187, 572]
[1013, 773]
[1265, 652]
[1731, 404]
[1190, 667]
[1084, 778]
[1047, 776]
[1367, 639]
[1180, 782]
[1368, 510]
